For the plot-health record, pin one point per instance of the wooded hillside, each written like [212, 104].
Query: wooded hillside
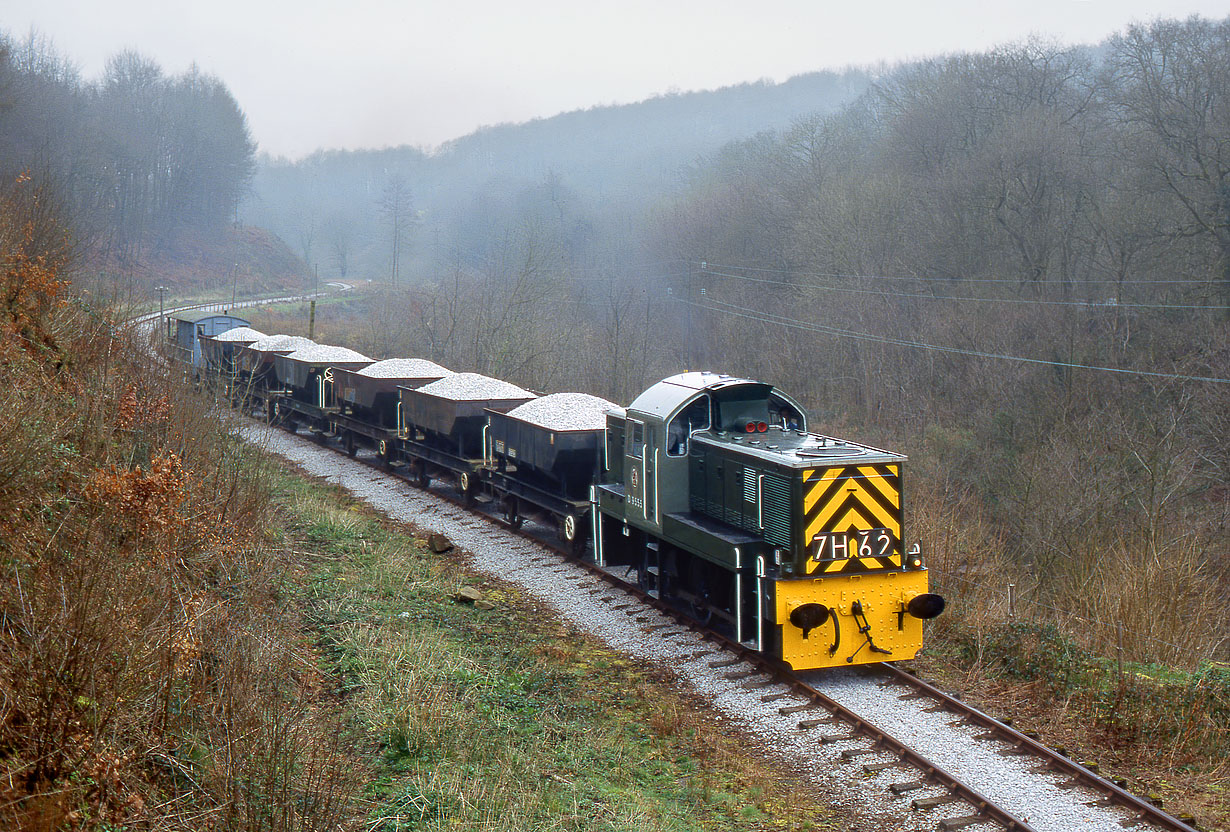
[138, 163]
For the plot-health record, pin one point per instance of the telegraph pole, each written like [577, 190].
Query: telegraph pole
[312, 303]
[162, 318]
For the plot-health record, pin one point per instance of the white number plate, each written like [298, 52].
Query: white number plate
[868, 543]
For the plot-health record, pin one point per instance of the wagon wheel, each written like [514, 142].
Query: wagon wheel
[573, 533]
[423, 476]
[351, 446]
[468, 488]
[511, 517]
[384, 452]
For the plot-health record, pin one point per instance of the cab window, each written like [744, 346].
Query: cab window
[637, 446]
[692, 418]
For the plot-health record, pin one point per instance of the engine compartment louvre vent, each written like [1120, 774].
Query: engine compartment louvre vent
[776, 510]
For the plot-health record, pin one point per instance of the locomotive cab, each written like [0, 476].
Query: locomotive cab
[657, 430]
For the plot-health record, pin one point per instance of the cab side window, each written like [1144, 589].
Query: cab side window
[637, 447]
[692, 418]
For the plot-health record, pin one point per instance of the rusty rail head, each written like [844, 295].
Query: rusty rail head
[1146, 811]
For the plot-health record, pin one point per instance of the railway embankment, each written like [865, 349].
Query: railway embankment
[501, 714]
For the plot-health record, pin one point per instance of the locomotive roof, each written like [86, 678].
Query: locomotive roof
[796, 448]
[668, 395]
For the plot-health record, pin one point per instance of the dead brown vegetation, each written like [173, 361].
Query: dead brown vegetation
[147, 676]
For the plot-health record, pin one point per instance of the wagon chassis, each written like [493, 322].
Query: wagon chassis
[474, 478]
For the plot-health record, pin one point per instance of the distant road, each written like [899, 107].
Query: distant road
[224, 307]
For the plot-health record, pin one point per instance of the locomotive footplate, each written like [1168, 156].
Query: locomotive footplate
[848, 619]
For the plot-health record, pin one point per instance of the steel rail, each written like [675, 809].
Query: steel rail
[985, 808]
[1116, 795]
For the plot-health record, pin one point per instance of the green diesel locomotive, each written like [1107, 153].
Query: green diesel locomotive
[714, 493]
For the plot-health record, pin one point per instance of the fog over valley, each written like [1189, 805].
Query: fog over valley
[991, 239]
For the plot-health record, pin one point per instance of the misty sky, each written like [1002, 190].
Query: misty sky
[373, 73]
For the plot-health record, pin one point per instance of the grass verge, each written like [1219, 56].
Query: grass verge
[503, 718]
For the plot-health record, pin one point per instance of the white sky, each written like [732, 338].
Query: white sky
[373, 73]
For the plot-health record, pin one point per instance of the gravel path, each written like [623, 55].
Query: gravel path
[1036, 799]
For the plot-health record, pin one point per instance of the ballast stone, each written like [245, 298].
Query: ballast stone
[469, 387]
[324, 352]
[281, 342]
[404, 368]
[565, 411]
[240, 333]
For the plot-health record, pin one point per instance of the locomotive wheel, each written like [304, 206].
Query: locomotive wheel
[701, 603]
[511, 517]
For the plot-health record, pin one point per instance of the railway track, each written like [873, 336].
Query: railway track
[222, 306]
[908, 777]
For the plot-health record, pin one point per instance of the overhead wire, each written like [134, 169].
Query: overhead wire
[706, 265]
[792, 323]
[925, 296]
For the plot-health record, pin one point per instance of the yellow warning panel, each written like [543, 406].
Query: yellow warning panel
[852, 518]
[875, 601]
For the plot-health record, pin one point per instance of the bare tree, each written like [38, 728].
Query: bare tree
[340, 243]
[1172, 83]
[397, 208]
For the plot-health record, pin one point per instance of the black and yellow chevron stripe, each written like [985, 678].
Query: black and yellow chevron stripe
[848, 500]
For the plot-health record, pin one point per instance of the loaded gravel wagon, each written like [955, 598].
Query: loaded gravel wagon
[369, 400]
[307, 378]
[218, 351]
[543, 457]
[254, 362]
[443, 424]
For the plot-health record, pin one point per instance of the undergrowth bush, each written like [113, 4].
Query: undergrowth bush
[1187, 715]
[147, 677]
[1030, 652]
